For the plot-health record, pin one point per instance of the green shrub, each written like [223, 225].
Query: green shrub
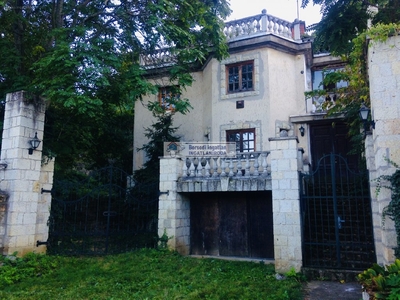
[14, 269]
[382, 282]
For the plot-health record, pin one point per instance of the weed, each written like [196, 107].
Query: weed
[146, 274]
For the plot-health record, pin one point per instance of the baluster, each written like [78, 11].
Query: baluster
[223, 166]
[237, 30]
[275, 26]
[192, 167]
[270, 24]
[207, 168]
[258, 25]
[231, 167]
[200, 168]
[264, 163]
[251, 28]
[185, 168]
[247, 165]
[256, 164]
[280, 31]
[239, 166]
[215, 167]
[286, 31]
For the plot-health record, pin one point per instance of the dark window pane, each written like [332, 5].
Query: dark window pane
[240, 77]
[244, 138]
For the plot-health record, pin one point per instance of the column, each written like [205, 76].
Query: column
[286, 204]
[173, 207]
[23, 118]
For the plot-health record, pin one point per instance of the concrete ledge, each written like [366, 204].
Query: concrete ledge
[224, 184]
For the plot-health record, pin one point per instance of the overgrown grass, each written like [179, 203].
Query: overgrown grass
[143, 274]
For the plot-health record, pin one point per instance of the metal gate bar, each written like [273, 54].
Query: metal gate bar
[102, 214]
[337, 218]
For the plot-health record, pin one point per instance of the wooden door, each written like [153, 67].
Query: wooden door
[232, 224]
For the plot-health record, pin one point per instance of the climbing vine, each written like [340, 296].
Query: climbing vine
[349, 99]
[355, 73]
[393, 209]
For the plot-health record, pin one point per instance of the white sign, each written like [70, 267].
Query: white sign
[199, 149]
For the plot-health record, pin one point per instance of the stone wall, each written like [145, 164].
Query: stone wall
[286, 204]
[173, 207]
[384, 144]
[26, 210]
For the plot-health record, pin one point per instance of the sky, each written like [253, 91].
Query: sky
[283, 9]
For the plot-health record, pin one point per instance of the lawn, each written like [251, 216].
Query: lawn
[142, 274]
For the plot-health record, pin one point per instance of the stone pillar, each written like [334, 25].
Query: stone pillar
[173, 207]
[286, 204]
[384, 75]
[43, 211]
[23, 118]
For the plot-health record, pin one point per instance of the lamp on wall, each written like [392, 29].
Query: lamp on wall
[207, 133]
[365, 114]
[302, 130]
[35, 142]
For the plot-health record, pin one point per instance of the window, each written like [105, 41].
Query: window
[318, 77]
[166, 95]
[245, 139]
[240, 77]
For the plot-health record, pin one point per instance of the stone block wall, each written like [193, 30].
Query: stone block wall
[286, 203]
[44, 204]
[384, 144]
[22, 177]
[173, 207]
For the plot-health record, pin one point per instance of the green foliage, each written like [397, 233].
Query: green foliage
[161, 131]
[382, 282]
[14, 269]
[163, 240]
[83, 57]
[344, 20]
[392, 182]
[349, 99]
[154, 274]
[295, 275]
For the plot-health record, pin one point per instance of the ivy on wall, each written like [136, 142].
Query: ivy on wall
[350, 98]
[393, 209]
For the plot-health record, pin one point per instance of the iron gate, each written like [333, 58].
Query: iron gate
[103, 214]
[336, 216]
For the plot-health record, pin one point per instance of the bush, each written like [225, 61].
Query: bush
[382, 282]
[14, 269]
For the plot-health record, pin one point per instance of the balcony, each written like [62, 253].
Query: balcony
[248, 171]
[254, 26]
[258, 25]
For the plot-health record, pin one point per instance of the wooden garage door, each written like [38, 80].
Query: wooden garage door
[232, 224]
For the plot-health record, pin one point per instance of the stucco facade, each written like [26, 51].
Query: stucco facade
[275, 108]
[279, 85]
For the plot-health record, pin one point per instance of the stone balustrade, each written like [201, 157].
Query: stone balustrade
[245, 164]
[234, 30]
[258, 24]
[316, 104]
[158, 58]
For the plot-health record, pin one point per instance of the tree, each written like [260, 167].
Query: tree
[83, 57]
[343, 20]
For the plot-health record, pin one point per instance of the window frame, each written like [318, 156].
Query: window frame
[163, 92]
[241, 132]
[322, 73]
[240, 66]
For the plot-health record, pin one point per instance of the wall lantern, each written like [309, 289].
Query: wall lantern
[365, 114]
[302, 130]
[35, 142]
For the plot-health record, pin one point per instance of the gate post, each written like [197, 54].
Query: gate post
[173, 207]
[384, 144]
[24, 211]
[286, 203]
